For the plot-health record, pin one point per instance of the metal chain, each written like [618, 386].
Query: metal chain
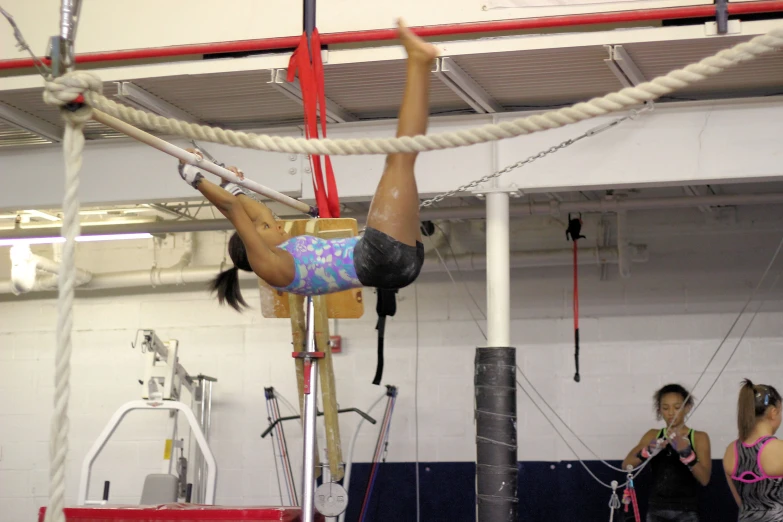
[519, 164]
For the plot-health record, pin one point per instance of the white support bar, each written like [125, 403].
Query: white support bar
[466, 87]
[334, 113]
[193, 159]
[134, 95]
[29, 123]
[114, 422]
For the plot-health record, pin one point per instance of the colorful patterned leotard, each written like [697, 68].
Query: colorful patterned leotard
[761, 494]
[322, 266]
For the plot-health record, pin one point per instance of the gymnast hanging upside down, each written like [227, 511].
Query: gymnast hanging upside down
[389, 254]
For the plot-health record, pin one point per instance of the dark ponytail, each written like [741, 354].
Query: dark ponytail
[226, 284]
[754, 400]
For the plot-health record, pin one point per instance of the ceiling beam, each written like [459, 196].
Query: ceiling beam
[334, 112]
[623, 66]
[131, 94]
[27, 122]
[466, 87]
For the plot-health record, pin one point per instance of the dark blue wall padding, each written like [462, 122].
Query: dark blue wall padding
[548, 492]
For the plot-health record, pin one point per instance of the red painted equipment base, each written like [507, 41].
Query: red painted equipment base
[181, 512]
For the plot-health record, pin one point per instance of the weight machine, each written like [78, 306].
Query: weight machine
[161, 389]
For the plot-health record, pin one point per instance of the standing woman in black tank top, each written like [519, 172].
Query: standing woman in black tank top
[681, 459]
[754, 462]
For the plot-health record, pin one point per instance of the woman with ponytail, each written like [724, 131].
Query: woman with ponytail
[680, 459]
[754, 462]
[388, 255]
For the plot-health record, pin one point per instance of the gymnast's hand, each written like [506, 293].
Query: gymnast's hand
[233, 188]
[237, 171]
[681, 445]
[193, 151]
[191, 173]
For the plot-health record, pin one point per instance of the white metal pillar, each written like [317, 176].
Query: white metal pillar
[498, 270]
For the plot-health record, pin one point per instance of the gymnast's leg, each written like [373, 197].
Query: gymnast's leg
[395, 207]
[390, 253]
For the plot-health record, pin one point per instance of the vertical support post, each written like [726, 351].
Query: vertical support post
[299, 342]
[498, 270]
[310, 413]
[200, 482]
[495, 379]
[334, 455]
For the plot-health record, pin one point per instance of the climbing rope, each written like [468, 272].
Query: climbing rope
[73, 144]
[86, 83]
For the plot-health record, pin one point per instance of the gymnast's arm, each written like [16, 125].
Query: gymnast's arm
[728, 469]
[702, 470]
[632, 459]
[273, 265]
[255, 209]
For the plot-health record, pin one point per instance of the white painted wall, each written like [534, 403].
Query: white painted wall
[148, 23]
[660, 325]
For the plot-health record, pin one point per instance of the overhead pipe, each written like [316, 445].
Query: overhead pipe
[445, 30]
[609, 204]
[551, 208]
[178, 276]
[24, 271]
[540, 258]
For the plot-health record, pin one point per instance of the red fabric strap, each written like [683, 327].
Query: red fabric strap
[311, 81]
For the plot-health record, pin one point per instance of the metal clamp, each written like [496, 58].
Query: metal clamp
[308, 361]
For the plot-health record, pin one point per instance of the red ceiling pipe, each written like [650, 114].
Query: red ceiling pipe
[704, 11]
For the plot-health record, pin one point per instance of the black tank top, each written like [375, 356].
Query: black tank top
[673, 485]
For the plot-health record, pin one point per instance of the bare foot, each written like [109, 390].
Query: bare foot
[415, 46]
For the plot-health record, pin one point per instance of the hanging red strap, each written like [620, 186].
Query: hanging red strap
[574, 233]
[333, 198]
[311, 82]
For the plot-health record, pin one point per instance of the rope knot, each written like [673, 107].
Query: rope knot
[71, 92]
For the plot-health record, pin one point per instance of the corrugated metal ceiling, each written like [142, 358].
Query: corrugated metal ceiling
[12, 136]
[762, 76]
[373, 90]
[542, 78]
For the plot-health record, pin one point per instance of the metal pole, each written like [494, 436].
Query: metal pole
[207, 399]
[308, 22]
[200, 483]
[495, 379]
[310, 415]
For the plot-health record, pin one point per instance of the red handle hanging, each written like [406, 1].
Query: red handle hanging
[577, 377]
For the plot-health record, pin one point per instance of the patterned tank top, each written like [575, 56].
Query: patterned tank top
[761, 494]
[322, 266]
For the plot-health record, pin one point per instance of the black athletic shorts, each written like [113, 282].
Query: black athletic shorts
[383, 262]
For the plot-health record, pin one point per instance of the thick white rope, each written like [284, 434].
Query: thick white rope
[73, 145]
[613, 102]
